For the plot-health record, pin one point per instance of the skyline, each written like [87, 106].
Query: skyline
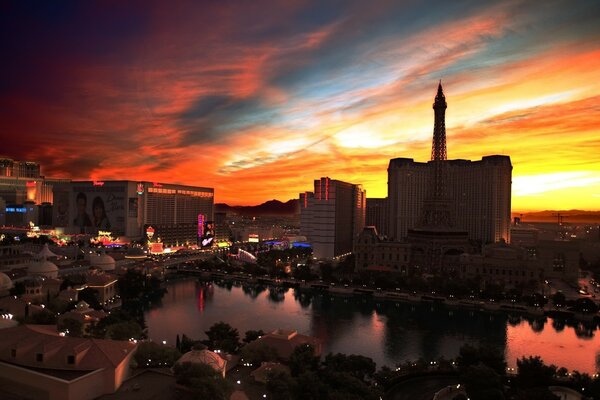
[221, 96]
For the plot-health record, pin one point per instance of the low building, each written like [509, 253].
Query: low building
[83, 314]
[511, 265]
[207, 357]
[285, 341]
[38, 363]
[375, 252]
[105, 285]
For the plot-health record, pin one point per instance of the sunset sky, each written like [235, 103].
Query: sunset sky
[258, 98]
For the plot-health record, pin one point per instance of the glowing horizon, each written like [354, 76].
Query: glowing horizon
[258, 100]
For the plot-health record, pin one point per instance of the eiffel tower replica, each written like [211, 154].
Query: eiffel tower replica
[436, 241]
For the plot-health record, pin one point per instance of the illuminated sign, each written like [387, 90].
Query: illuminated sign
[208, 235]
[30, 184]
[150, 232]
[98, 183]
[253, 238]
[16, 209]
[200, 226]
[140, 188]
[104, 233]
[156, 184]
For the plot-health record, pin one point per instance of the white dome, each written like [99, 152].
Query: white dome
[104, 261]
[46, 253]
[204, 357]
[43, 268]
[5, 282]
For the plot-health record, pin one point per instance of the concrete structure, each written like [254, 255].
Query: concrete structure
[36, 362]
[472, 197]
[376, 214]
[43, 268]
[128, 208]
[332, 216]
[373, 251]
[207, 357]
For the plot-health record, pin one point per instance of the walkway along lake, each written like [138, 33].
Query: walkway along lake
[390, 332]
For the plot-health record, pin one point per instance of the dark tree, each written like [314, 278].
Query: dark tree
[74, 327]
[532, 372]
[358, 366]
[280, 385]
[303, 359]
[151, 354]
[559, 299]
[90, 296]
[222, 336]
[482, 383]
[251, 336]
[490, 356]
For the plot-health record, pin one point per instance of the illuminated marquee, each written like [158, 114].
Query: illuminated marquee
[98, 183]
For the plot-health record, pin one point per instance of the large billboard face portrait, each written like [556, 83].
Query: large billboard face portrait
[96, 207]
[61, 208]
[208, 237]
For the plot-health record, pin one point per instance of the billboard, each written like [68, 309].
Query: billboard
[61, 207]
[98, 207]
[208, 236]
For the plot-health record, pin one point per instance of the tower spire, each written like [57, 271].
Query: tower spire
[438, 146]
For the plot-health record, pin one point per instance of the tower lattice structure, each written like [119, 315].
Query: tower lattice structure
[436, 213]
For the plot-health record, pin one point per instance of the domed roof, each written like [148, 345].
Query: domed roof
[5, 282]
[46, 252]
[104, 261]
[43, 267]
[204, 357]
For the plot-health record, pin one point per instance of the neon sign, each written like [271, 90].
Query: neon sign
[98, 183]
[140, 188]
[156, 184]
[150, 232]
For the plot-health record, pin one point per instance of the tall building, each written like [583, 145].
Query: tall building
[332, 216]
[462, 195]
[176, 213]
[376, 214]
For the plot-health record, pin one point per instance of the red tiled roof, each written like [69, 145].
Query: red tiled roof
[31, 340]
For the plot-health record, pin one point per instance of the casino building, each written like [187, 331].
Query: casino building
[129, 208]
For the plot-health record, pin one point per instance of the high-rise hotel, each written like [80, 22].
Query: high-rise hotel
[477, 194]
[332, 216]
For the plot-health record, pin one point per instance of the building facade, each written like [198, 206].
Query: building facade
[376, 214]
[332, 216]
[374, 252]
[128, 208]
[475, 195]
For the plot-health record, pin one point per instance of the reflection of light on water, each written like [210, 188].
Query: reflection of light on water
[569, 348]
[388, 332]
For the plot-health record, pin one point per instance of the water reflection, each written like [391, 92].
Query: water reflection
[389, 332]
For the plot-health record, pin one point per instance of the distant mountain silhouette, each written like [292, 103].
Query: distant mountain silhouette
[271, 207]
[568, 216]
